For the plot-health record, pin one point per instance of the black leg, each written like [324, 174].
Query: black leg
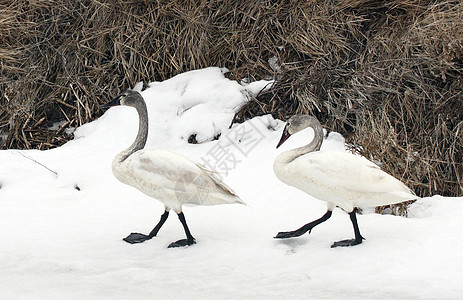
[358, 237]
[190, 240]
[135, 238]
[307, 227]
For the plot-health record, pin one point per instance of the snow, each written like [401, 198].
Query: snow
[63, 216]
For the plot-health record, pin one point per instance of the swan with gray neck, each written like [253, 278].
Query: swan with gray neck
[341, 179]
[168, 177]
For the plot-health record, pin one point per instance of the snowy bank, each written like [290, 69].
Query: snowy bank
[62, 227]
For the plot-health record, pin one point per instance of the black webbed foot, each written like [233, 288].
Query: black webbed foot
[306, 228]
[358, 237]
[182, 243]
[135, 238]
[289, 234]
[346, 243]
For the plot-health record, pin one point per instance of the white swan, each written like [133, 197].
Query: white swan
[171, 178]
[339, 178]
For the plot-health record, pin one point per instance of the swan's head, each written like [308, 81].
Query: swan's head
[297, 123]
[129, 98]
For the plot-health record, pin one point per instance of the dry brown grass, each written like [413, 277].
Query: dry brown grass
[387, 74]
[59, 59]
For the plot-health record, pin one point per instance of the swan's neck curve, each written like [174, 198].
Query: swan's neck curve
[142, 135]
[288, 156]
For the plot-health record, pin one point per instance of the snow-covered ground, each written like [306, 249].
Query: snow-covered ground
[62, 232]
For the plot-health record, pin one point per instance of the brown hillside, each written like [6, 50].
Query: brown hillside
[386, 74]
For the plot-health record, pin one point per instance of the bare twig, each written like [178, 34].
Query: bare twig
[35, 161]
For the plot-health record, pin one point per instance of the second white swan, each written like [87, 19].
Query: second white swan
[339, 178]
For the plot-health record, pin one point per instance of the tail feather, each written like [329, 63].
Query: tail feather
[229, 193]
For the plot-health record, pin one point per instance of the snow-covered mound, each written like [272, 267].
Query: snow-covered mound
[63, 216]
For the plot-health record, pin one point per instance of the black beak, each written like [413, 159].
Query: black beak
[284, 136]
[115, 102]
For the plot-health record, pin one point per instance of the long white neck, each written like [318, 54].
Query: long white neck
[142, 135]
[288, 156]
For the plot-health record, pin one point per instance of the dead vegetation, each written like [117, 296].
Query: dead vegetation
[386, 74]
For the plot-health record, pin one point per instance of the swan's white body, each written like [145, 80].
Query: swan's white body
[168, 177]
[172, 179]
[341, 179]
